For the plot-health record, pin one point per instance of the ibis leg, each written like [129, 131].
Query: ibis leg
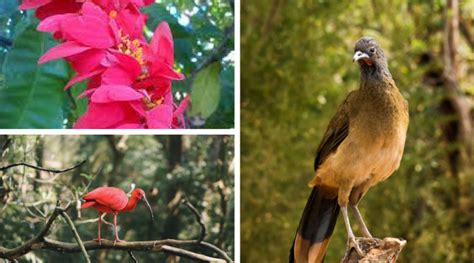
[351, 241]
[98, 231]
[361, 222]
[117, 239]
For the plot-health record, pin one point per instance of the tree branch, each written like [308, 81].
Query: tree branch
[217, 54]
[198, 218]
[171, 246]
[76, 235]
[41, 168]
[30, 244]
[375, 250]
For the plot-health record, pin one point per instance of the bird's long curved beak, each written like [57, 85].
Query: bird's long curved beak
[359, 55]
[149, 207]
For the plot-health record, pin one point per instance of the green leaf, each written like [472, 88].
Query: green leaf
[33, 96]
[206, 90]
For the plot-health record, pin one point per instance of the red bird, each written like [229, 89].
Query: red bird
[113, 200]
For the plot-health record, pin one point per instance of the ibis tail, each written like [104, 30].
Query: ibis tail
[316, 227]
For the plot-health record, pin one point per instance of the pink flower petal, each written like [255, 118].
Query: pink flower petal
[86, 93]
[57, 7]
[52, 24]
[159, 68]
[62, 50]
[107, 115]
[111, 93]
[160, 117]
[88, 30]
[90, 9]
[162, 43]
[131, 22]
[125, 71]
[87, 61]
[182, 107]
[30, 4]
[138, 107]
[79, 78]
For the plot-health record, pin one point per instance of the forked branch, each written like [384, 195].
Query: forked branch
[169, 246]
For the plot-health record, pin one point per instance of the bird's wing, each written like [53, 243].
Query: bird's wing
[337, 131]
[112, 197]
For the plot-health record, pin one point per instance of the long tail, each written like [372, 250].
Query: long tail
[316, 226]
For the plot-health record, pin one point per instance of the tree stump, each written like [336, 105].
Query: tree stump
[375, 250]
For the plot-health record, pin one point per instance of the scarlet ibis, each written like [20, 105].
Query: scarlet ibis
[113, 200]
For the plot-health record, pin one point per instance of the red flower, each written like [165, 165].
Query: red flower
[47, 8]
[145, 85]
[129, 80]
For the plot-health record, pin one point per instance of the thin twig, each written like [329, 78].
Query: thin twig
[76, 235]
[189, 254]
[217, 54]
[130, 253]
[41, 168]
[198, 219]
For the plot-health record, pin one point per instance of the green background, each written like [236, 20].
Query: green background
[296, 69]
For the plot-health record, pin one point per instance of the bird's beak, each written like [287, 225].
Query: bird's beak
[359, 55]
[149, 207]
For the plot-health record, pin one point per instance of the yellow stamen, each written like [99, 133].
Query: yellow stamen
[113, 14]
[148, 104]
[131, 47]
[159, 101]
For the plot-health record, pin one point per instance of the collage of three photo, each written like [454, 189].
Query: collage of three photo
[236, 131]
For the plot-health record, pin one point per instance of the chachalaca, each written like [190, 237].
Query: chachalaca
[362, 146]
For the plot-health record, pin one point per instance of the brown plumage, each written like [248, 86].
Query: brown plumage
[362, 146]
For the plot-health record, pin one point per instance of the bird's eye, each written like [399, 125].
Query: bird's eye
[372, 50]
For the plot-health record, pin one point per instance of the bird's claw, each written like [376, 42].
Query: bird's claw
[352, 243]
[98, 240]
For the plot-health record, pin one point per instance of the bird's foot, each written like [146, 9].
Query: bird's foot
[118, 240]
[352, 243]
[367, 233]
[98, 240]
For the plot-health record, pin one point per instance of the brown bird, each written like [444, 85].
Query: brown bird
[362, 146]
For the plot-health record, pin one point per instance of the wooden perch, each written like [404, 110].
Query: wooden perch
[169, 246]
[375, 250]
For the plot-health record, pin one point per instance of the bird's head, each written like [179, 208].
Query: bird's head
[369, 55]
[140, 195]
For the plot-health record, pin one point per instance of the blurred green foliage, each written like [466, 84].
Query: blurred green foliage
[198, 27]
[297, 68]
[168, 168]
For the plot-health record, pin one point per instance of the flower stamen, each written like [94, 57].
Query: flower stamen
[131, 47]
[149, 104]
[113, 14]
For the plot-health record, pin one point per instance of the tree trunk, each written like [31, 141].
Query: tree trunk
[458, 131]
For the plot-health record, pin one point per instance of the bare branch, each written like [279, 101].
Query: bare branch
[165, 246]
[218, 53]
[130, 253]
[76, 235]
[28, 246]
[41, 168]
[198, 218]
[188, 254]
[172, 246]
